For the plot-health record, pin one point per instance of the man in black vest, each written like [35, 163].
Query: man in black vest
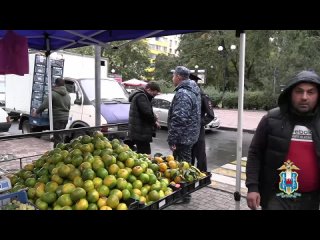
[283, 167]
[207, 115]
[142, 121]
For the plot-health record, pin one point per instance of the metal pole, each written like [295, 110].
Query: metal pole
[274, 80]
[49, 82]
[237, 194]
[97, 51]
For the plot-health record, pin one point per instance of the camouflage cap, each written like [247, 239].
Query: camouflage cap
[182, 71]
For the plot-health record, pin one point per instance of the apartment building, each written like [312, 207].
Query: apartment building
[162, 45]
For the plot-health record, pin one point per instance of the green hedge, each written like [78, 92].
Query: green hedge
[255, 100]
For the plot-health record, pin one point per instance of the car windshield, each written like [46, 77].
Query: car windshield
[110, 90]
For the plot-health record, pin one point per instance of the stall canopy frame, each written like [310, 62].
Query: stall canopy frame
[54, 40]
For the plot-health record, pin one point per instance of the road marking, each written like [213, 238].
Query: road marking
[234, 167]
[224, 177]
[226, 180]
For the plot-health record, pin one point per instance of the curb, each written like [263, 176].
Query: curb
[252, 131]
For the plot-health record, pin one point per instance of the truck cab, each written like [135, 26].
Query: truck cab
[114, 106]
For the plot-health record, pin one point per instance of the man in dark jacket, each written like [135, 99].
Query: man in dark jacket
[60, 108]
[184, 118]
[184, 115]
[283, 167]
[142, 121]
[207, 115]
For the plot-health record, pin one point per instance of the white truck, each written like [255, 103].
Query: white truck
[78, 72]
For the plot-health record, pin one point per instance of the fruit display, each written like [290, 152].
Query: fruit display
[177, 172]
[17, 205]
[91, 173]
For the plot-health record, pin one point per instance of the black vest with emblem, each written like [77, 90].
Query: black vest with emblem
[279, 133]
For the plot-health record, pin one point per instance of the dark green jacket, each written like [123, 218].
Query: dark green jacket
[60, 104]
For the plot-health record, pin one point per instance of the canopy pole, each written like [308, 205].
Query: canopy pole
[49, 82]
[237, 194]
[97, 51]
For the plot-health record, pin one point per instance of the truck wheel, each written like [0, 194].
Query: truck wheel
[26, 127]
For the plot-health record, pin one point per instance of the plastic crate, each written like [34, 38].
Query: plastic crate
[38, 77]
[187, 188]
[38, 87]
[21, 196]
[163, 202]
[57, 63]
[56, 71]
[35, 103]
[132, 204]
[37, 95]
[40, 69]
[41, 59]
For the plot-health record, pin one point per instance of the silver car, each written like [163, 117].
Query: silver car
[161, 104]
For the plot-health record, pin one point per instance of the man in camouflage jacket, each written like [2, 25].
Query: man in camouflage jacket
[184, 117]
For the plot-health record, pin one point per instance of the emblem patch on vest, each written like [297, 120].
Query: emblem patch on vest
[288, 180]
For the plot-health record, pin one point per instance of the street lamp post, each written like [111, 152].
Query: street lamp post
[113, 71]
[196, 70]
[224, 53]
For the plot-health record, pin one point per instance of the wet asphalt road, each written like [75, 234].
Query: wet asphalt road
[221, 146]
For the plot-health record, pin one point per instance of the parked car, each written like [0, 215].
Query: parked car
[161, 104]
[5, 122]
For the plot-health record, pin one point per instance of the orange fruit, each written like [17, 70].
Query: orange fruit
[113, 201]
[173, 164]
[122, 206]
[82, 204]
[169, 158]
[163, 167]
[78, 194]
[110, 181]
[153, 196]
[102, 202]
[158, 159]
[93, 196]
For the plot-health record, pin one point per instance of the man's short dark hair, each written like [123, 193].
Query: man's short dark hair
[153, 86]
[59, 82]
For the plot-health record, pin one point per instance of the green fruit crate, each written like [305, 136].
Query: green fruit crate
[163, 202]
[189, 187]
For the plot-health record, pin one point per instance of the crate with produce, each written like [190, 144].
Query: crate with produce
[15, 201]
[181, 174]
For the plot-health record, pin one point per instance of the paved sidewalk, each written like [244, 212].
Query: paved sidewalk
[209, 198]
[229, 119]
